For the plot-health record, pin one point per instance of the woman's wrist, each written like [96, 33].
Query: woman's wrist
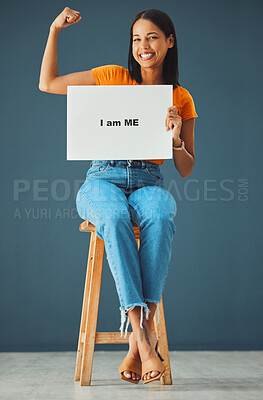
[177, 143]
[179, 148]
[54, 28]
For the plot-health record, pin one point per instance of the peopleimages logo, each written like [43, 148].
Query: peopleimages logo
[211, 190]
[36, 191]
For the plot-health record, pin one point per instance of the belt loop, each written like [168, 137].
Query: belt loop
[143, 165]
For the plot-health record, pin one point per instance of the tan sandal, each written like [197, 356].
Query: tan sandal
[154, 364]
[130, 364]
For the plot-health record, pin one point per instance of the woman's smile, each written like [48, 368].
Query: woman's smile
[146, 56]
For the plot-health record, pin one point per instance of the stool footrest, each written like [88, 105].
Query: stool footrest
[108, 337]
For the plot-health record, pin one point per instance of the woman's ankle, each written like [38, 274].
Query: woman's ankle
[146, 347]
[144, 334]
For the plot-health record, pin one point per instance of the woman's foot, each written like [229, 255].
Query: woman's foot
[147, 341]
[133, 353]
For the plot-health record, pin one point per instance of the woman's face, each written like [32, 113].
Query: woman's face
[150, 45]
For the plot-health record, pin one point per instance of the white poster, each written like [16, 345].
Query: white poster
[120, 122]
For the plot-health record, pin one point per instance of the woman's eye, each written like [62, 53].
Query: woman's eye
[150, 37]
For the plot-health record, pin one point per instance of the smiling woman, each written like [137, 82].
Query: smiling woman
[134, 189]
[152, 31]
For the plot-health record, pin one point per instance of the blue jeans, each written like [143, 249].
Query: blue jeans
[114, 193]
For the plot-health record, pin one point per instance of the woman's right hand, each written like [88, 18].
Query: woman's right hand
[66, 18]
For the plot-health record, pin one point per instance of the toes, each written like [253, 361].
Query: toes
[154, 373]
[147, 376]
[131, 375]
[151, 374]
[136, 376]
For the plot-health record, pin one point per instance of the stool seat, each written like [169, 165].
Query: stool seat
[87, 226]
[88, 335]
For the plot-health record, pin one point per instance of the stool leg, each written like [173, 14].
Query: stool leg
[92, 311]
[84, 307]
[161, 334]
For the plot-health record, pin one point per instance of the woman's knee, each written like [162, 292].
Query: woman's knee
[154, 202]
[81, 204]
[101, 198]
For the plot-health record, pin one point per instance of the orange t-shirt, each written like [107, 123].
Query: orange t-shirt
[117, 75]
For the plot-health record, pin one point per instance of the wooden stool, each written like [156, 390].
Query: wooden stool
[88, 336]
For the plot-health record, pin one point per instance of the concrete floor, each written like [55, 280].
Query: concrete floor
[198, 375]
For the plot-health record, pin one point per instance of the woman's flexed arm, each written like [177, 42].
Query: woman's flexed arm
[49, 80]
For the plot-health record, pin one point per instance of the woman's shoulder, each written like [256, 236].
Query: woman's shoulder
[181, 91]
[113, 68]
[182, 95]
[183, 100]
[111, 74]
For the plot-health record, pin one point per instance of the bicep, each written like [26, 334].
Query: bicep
[187, 135]
[59, 84]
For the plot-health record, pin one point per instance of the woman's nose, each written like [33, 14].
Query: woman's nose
[144, 44]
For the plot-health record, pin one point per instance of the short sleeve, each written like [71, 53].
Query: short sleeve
[188, 107]
[108, 75]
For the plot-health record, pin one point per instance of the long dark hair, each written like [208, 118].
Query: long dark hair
[170, 63]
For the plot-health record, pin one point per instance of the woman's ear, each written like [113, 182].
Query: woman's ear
[171, 41]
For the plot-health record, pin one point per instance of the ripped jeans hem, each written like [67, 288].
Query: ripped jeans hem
[158, 311]
[124, 311]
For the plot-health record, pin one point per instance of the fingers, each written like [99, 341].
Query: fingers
[172, 118]
[173, 110]
[77, 15]
[170, 124]
[72, 16]
[173, 122]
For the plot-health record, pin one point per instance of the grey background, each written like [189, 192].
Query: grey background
[213, 295]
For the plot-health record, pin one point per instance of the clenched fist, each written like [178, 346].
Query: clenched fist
[66, 18]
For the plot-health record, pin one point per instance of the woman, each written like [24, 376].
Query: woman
[116, 192]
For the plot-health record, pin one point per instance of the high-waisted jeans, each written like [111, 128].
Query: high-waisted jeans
[114, 193]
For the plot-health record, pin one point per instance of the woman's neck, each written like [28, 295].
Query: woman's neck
[151, 76]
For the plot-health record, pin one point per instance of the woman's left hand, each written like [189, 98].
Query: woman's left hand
[174, 121]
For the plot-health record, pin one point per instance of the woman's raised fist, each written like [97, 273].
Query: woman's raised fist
[66, 18]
